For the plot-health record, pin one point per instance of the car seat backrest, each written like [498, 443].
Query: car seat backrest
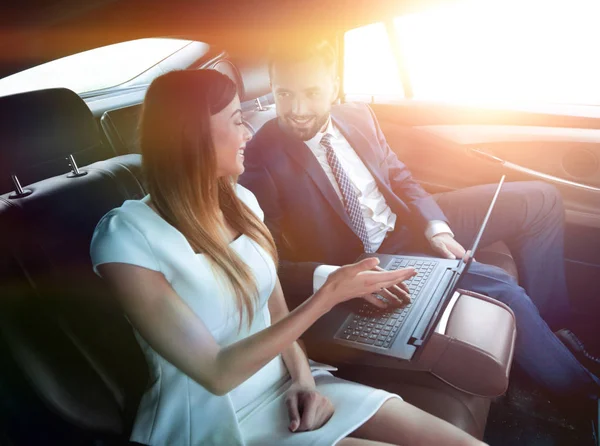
[121, 128]
[40, 129]
[255, 78]
[58, 318]
[258, 106]
[227, 68]
[121, 125]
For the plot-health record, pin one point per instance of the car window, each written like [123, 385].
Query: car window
[95, 69]
[498, 52]
[369, 66]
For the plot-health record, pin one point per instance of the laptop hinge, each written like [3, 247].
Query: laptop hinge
[430, 319]
[416, 342]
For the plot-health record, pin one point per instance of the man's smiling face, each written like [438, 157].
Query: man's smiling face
[304, 92]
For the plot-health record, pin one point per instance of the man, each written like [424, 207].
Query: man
[331, 189]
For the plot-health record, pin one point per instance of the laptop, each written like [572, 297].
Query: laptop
[400, 332]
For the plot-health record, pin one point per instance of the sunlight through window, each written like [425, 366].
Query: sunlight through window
[487, 52]
[505, 51]
[369, 66]
[94, 69]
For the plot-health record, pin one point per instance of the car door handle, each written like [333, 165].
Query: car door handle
[527, 171]
[486, 156]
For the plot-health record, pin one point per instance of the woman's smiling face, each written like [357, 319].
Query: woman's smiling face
[230, 136]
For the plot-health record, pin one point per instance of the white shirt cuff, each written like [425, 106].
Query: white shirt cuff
[320, 275]
[435, 227]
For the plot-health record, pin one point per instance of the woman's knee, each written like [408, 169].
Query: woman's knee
[399, 422]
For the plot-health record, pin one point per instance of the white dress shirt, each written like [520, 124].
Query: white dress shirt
[379, 218]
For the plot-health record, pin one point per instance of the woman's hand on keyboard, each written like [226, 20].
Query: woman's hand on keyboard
[397, 295]
[361, 279]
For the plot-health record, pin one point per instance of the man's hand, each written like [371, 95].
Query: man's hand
[308, 409]
[445, 245]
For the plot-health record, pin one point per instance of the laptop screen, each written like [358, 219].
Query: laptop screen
[462, 265]
[465, 261]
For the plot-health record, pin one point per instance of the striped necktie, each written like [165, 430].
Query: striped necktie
[349, 196]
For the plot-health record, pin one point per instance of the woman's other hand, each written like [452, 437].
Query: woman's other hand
[307, 408]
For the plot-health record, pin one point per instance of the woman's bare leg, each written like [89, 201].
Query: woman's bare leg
[398, 422]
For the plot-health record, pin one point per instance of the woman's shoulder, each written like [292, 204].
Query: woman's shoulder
[121, 236]
[249, 199]
[128, 215]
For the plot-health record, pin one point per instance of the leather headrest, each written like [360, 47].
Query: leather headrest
[42, 126]
[225, 67]
[256, 80]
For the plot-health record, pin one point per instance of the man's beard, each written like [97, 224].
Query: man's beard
[307, 133]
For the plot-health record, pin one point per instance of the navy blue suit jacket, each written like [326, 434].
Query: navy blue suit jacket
[302, 210]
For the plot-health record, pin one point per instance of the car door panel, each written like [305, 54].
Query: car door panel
[448, 148]
[565, 153]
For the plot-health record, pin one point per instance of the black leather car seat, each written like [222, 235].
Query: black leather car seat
[121, 128]
[56, 316]
[32, 144]
[120, 125]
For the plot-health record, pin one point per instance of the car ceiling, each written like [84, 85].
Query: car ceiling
[36, 31]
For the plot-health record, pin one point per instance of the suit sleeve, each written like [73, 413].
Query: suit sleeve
[296, 277]
[420, 202]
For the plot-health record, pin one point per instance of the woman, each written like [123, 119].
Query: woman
[194, 268]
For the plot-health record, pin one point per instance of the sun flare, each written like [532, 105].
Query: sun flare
[486, 51]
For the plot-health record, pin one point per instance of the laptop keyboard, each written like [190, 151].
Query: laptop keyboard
[373, 326]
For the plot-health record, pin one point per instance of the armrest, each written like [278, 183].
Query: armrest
[474, 351]
[471, 349]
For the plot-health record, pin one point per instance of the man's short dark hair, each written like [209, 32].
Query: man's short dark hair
[301, 51]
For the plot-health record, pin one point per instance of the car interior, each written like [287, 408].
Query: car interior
[72, 371]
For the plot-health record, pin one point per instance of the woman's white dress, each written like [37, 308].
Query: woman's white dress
[176, 410]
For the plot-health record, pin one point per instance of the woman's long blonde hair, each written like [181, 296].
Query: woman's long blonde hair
[179, 166]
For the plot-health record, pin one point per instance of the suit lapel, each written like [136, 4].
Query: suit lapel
[300, 153]
[372, 159]
[362, 147]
